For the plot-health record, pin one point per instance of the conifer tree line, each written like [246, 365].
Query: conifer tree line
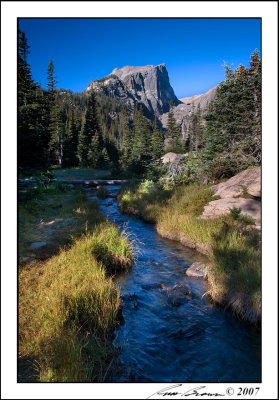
[230, 140]
[59, 127]
[226, 137]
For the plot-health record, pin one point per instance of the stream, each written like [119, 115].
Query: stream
[167, 337]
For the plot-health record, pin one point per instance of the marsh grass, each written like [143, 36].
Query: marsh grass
[68, 304]
[235, 277]
[68, 307]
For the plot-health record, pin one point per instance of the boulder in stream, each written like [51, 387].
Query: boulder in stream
[197, 270]
[178, 294]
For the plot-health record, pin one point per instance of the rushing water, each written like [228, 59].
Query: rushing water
[166, 338]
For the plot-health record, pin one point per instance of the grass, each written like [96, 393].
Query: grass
[235, 277]
[230, 241]
[68, 306]
[102, 193]
[68, 303]
[53, 214]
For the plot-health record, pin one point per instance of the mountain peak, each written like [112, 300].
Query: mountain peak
[148, 85]
[127, 70]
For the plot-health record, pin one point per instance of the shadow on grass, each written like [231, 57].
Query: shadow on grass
[235, 277]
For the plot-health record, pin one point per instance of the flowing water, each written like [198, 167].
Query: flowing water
[169, 337]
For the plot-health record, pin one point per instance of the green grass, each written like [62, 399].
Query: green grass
[231, 242]
[235, 277]
[68, 307]
[54, 214]
[68, 303]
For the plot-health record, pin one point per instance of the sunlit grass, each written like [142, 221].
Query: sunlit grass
[69, 304]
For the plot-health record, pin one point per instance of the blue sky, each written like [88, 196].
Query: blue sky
[193, 50]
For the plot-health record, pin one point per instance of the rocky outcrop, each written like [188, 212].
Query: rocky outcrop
[148, 85]
[183, 111]
[174, 162]
[234, 193]
[171, 158]
[248, 181]
[249, 207]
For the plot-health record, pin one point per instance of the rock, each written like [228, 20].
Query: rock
[178, 294]
[197, 270]
[223, 206]
[230, 191]
[148, 85]
[171, 157]
[151, 286]
[248, 180]
[175, 163]
[37, 245]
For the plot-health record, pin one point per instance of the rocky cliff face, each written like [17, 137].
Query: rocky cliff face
[183, 111]
[148, 85]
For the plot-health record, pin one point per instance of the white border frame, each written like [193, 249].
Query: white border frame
[10, 11]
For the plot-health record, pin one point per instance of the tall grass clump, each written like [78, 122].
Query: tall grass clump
[235, 275]
[68, 307]
[143, 200]
[111, 248]
[102, 193]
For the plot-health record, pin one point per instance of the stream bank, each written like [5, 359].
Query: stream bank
[170, 331]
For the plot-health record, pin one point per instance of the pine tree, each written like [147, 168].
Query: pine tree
[26, 85]
[31, 122]
[126, 142]
[195, 130]
[57, 133]
[231, 140]
[140, 154]
[174, 142]
[70, 141]
[104, 161]
[51, 81]
[90, 140]
[157, 142]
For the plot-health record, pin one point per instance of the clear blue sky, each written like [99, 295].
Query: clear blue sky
[194, 50]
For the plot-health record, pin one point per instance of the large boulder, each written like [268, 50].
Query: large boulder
[234, 193]
[220, 207]
[174, 162]
[246, 181]
[171, 158]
